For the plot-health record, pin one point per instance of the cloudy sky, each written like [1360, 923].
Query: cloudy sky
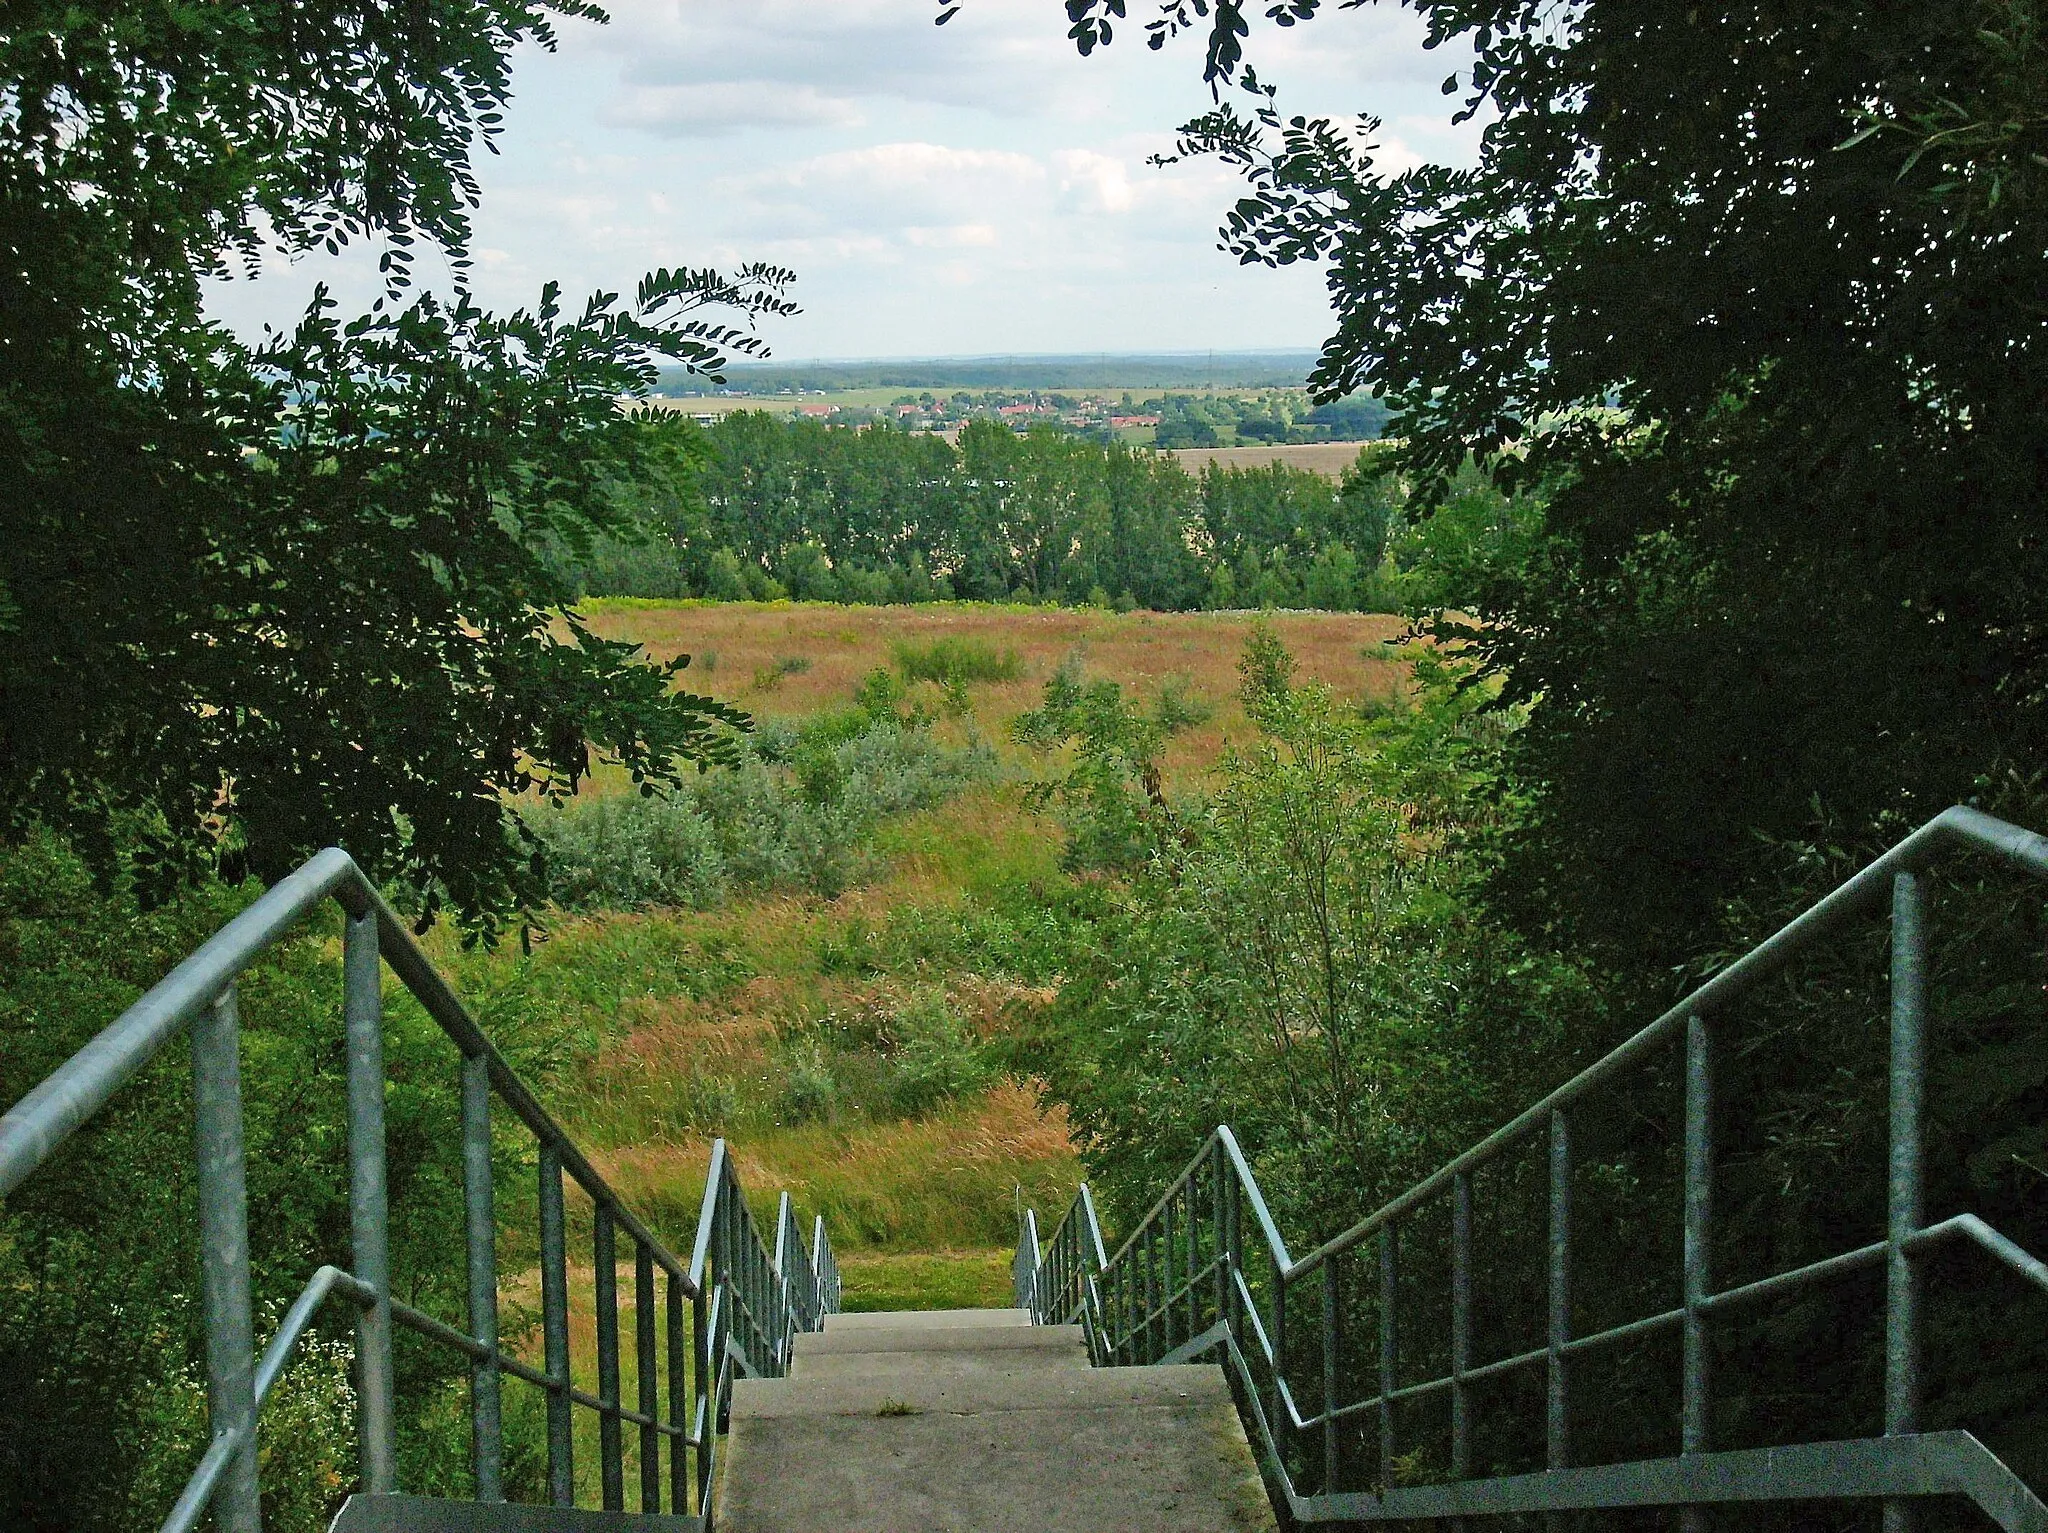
[966, 190]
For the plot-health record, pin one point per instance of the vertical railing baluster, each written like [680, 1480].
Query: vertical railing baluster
[1697, 1382]
[647, 1368]
[678, 1395]
[1904, 1194]
[1330, 1446]
[701, 1389]
[1389, 1341]
[1233, 1218]
[1150, 1353]
[1557, 1404]
[362, 1008]
[1167, 1225]
[611, 1448]
[1194, 1264]
[1282, 1421]
[1461, 1330]
[224, 1257]
[1222, 1241]
[554, 1310]
[481, 1224]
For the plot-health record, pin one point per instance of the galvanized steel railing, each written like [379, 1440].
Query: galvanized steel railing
[734, 1309]
[1189, 1283]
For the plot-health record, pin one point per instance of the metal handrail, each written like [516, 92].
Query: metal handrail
[734, 1309]
[1185, 1284]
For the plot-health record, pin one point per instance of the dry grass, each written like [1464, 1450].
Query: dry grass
[1138, 649]
[947, 1181]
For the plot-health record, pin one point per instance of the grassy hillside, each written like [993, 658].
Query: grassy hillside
[870, 1052]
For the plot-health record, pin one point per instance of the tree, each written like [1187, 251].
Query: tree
[254, 599]
[1755, 289]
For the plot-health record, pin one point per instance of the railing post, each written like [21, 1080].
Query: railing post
[1389, 1341]
[611, 1449]
[1233, 1218]
[1904, 1190]
[1166, 1242]
[480, 1216]
[1697, 1382]
[1557, 1404]
[224, 1256]
[1151, 1299]
[1194, 1255]
[647, 1365]
[554, 1322]
[369, 1219]
[1461, 1330]
[1330, 1445]
[704, 1388]
[1220, 1174]
[679, 1331]
[1282, 1422]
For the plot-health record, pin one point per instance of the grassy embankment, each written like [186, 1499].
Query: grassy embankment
[792, 1024]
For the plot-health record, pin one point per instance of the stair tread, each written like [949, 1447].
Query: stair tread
[925, 1319]
[1002, 1450]
[427, 1514]
[943, 1338]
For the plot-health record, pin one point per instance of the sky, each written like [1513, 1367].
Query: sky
[965, 190]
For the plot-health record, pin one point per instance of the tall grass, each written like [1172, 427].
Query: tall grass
[953, 661]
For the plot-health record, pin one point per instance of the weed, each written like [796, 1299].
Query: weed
[897, 1408]
[809, 1089]
[768, 677]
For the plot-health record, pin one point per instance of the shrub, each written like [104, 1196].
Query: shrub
[627, 852]
[797, 815]
[936, 1057]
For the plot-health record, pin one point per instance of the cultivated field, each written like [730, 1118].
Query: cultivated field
[1330, 459]
[790, 659]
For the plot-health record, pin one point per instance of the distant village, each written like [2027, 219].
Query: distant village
[1167, 420]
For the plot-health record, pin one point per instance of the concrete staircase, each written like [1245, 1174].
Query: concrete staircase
[977, 1421]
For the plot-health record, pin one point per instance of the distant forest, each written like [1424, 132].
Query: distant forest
[759, 507]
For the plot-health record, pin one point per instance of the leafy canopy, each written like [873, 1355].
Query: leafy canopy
[1755, 290]
[256, 598]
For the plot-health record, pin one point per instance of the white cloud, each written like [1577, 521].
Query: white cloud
[729, 106]
[968, 189]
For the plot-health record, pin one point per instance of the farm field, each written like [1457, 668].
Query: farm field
[1329, 459]
[791, 659]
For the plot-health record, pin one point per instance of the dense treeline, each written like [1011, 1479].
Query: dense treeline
[759, 507]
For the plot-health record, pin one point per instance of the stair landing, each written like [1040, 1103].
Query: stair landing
[976, 1421]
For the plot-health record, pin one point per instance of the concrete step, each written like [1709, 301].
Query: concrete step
[425, 1514]
[965, 1427]
[926, 1320]
[1018, 1345]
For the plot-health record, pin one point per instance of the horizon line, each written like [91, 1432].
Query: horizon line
[1033, 356]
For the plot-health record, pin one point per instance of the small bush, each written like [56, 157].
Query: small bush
[628, 852]
[768, 677]
[956, 660]
[809, 1090]
[936, 1057]
[797, 815]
